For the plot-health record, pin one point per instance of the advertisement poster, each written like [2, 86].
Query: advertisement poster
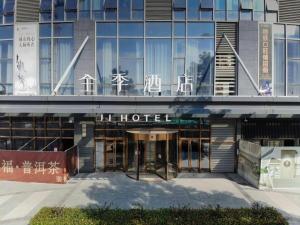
[26, 59]
[265, 59]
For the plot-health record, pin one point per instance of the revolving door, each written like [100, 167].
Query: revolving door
[152, 152]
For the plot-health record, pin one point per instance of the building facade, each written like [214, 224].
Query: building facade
[149, 86]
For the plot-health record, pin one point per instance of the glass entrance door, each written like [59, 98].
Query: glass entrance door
[114, 154]
[152, 152]
[189, 154]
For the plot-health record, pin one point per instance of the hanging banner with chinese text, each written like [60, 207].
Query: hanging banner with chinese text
[26, 59]
[265, 59]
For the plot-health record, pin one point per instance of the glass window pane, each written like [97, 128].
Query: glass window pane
[193, 9]
[131, 48]
[279, 62]
[278, 31]
[200, 64]
[45, 30]
[207, 4]
[59, 9]
[158, 29]
[179, 48]
[63, 52]
[63, 29]
[200, 30]
[124, 9]
[159, 61]
[84, 8]
[246, 4]
[220, 6]
[106, 64]
[293, 77]
[292, 31]
[232, 10]
[106, 29]
[131, 29]
[179, 29]
[137, 4]
[6, 32]
[294, 49]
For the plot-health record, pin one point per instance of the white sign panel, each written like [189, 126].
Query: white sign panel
[26, 59]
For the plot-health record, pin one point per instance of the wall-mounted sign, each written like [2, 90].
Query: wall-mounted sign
[133, 118]
[265, 59]
[26, 59]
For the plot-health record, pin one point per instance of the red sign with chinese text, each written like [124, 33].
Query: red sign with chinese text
[29, 166]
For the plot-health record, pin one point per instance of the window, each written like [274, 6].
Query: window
[84, 9]
[137, 9]
[45, 10]
[206, 9]
[272, 10]
[200, 29]
[59, 10]
[193, 9]
[131, 29]
[220, 7]
[9, 9]
[272, 6]
[131, 10]
[179, 8]
[179, 29]
[106, 29]
[200, 55]
[98, 9]
[246, 4]
[292, 31]
[71, 9]
[233, 10]
[6, 60]
[110, 7]
[131, 64]
[259, 10]
[63, 54]
[45, 59]
[158, 29]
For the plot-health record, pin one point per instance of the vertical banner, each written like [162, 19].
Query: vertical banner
[26, 59]
[265, 59]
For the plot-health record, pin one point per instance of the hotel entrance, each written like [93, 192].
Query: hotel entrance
[152, 152]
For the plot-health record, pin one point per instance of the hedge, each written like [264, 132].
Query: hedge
[257, 215]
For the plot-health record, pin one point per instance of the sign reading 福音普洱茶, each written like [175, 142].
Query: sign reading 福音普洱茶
[26, 59]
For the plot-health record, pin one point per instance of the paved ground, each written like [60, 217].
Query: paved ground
[20, 201]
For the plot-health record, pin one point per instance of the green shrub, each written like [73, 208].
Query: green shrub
[257, 215]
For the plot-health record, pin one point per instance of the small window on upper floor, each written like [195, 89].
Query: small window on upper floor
[45, 10]
[179, 9]
[233, 10]
[9, 9]
[85, 9]
[258, 10]
[71, 9]
[246, 4]
[206, 8]
[59, 10]
[246, 9]
[110, 7]
[220, 10]
[272, 6]
[1, 12]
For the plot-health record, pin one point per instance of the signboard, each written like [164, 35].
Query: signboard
[265, 59]
[26, 166]
[26, 59]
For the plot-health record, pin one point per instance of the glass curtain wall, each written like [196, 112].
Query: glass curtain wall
[6, 60]
[293, 59]
[279, 60]
[45, 59]
[63, 54]
[167, 51]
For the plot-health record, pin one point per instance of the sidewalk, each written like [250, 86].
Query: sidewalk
[21, 201]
